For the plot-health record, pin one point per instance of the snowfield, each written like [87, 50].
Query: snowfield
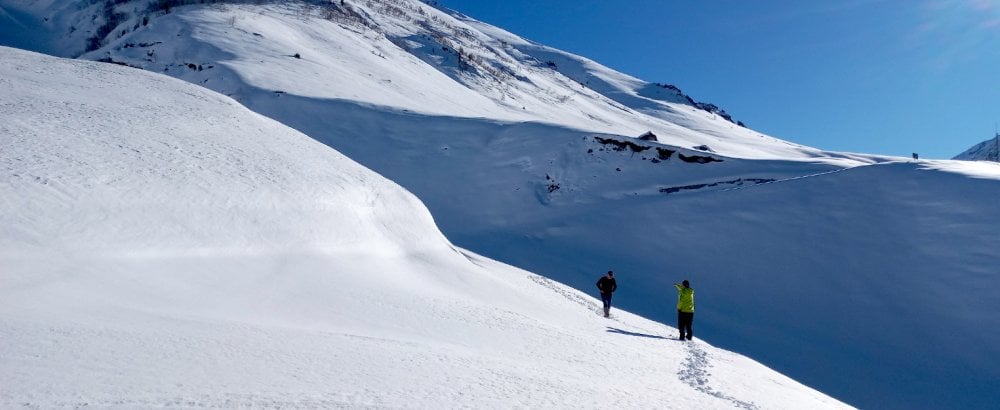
[164, 246]
[870, 278]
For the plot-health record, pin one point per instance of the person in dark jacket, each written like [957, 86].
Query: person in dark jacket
[685, 309]
[606, 284]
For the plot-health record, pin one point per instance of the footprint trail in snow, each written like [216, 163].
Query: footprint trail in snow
[695, 372]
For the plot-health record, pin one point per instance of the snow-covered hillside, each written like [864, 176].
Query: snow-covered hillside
[398, 54]
[164, 246]
[983, 151]
[843, 278]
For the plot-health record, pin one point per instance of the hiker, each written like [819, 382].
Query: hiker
[606, 284]
[685, 309]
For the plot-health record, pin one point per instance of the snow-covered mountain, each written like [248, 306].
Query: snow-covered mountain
[403, 55]
[983, 151]
[161, 245]
[841, 270]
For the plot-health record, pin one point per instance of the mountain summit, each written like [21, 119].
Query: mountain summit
[983, 151]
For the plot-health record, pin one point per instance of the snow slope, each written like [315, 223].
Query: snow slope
[844, 277]
[983, 151]
[50, 26]
[164, 246]
[518, 160]
[401, 54]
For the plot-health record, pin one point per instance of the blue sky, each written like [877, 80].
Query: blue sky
[874, 76]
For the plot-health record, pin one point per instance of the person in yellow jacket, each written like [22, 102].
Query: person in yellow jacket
[685, 309]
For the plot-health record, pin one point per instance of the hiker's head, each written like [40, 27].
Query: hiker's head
[611, 274]
[686, 283]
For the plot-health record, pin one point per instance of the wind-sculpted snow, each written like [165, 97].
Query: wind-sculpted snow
[152, 141]
[162, 246]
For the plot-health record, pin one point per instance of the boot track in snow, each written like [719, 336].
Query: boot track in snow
[695, 373]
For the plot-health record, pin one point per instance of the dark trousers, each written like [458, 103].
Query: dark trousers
[684, 320]
[606, 298]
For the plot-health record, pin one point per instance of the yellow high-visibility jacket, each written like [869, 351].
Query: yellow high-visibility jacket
[685, 299]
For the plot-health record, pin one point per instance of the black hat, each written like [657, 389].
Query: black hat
[686, 283]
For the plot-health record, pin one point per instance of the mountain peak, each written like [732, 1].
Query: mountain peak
[417, 57]
[988, 150]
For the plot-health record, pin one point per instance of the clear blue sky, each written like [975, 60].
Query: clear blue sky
[874, 76]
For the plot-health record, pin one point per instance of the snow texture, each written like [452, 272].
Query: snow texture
[164, 246]
[870, 278]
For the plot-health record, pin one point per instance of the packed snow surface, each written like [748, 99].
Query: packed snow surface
[870, 278]
[161, 245]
